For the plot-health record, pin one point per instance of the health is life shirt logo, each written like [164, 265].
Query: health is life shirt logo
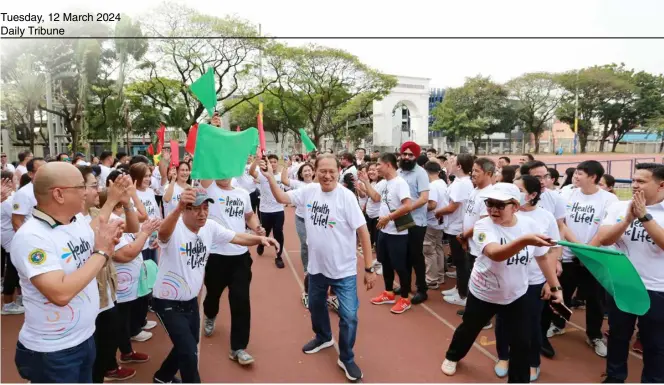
[584, 214]
[194, 252]
[320, 215]
[636, 232]
[233, 207]
[74, 252]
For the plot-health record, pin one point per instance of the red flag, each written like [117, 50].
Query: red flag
[237, 129]
[150, 149]
[161, 138]
[261, 132]
[191, 139]
[175, 153]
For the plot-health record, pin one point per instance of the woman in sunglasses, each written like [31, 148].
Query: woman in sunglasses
[499, 280]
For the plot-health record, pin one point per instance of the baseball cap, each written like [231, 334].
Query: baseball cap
[503, 192]
[202, 197]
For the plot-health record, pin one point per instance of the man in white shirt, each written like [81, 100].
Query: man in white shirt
[6, 166]
[186, 238]
[334, 221]
[586, 207]
[348, 170]
[60, 293]
[636, 228]
[23, 159]
[24, 200]
[434, 253]
[105, 163]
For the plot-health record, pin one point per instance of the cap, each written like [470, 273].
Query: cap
[503, 192]
[202, 197]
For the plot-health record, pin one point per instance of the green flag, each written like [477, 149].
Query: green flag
[308, 144]
[222, 154]
[203, 89]
[615, 272]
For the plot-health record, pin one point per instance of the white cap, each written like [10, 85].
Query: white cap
[503, 192]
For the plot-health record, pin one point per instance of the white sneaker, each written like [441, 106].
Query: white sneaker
[451, 274]
[142, 336]
[448, 367]
[12, 308]
[448, 292]
[150, 325]
[599, 345]
[455, 300]
[554, 331]
[19, 300]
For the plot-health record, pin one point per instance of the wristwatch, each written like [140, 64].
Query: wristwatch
[370, 269]
[556, 288]
[645, 218]
[102, 254]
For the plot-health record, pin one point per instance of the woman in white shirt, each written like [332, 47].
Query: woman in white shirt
[305, 175]
[531, 190]
[499, 280]
[178, 181]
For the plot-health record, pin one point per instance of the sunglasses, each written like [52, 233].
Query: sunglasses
[494, 204]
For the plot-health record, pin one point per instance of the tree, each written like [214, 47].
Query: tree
[231, 55]
[538, 96]
[479, 107]
[330, 86]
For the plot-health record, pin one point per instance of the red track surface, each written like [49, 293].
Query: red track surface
[390, 348]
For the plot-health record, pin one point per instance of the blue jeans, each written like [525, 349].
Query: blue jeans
[182, 323]
[651, 330]
[535, 305]
[346, 291]
[73, 365]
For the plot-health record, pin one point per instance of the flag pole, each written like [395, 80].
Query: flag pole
[260, 97]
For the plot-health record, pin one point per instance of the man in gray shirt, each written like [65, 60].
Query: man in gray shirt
[418, 181]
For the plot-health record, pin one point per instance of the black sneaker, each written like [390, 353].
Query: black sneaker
[418, 298]
[175, 380]
[279, 262]
[546, 349]
[353, 371]
[260, 249]
[460, 312]
[315, 346]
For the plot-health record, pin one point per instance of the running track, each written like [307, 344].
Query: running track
[390, 348]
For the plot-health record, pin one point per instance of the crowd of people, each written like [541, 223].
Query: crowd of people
[89, 248]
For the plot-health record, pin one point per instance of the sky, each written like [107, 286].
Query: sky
[445, 62]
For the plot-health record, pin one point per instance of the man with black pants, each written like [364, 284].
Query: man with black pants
[186, 244]
[230, 265]
[418, 182]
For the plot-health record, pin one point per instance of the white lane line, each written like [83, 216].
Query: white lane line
[201, 314]
[451, 326]
[632, 353]
[301, 284]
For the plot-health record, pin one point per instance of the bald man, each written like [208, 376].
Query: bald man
[58, 255]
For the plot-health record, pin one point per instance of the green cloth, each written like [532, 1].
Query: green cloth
[148, 277]
[203, 89]
[615, 272]
[308, 143]
[222, 154]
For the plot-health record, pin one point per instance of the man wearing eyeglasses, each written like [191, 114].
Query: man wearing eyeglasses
[24, 199]
[186, 238]
[6, 166]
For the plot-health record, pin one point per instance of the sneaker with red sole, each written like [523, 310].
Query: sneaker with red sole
[401, 306]
[637, 347]
[135, 357]
[383, 298]
[120, 374]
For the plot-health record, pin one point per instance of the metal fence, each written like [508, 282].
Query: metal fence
[623, 189]
[618, 168]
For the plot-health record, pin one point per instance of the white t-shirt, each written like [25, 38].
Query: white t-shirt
[373, 208]
[645, 255]
[183, 258]
[103, 175]
[175, 198]
[332, 219]
[350, 170]
[246, 181]
[25, 201]
[392, 193]
[148, 199]
[9, 167]
[583, 214]
[437, 193]
[6, 220]
[155, 182]
[459, 192]
[548, 226]
[128, 273]
[229, 210]
[22, 169]
[474, 208]
[295, 184]
[552, 202]
[269, 203]
[39, 248]
[502, 282]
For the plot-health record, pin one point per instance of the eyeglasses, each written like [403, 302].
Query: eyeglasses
[78, 187]
[494, 204]
[545, 176]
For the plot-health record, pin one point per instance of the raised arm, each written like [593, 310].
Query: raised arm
[278, 193]
[168, 224]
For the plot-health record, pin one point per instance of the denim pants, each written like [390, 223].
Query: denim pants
[346, 291]
[182, 323]
[651, 330]
[535, 305]
[72, 365]
[301, 229]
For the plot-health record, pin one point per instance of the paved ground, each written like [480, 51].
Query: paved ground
[390, 348]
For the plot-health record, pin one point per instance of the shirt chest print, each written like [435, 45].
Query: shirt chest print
[320, 215]
[194, 253]
[232, 207]
[582, 213]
